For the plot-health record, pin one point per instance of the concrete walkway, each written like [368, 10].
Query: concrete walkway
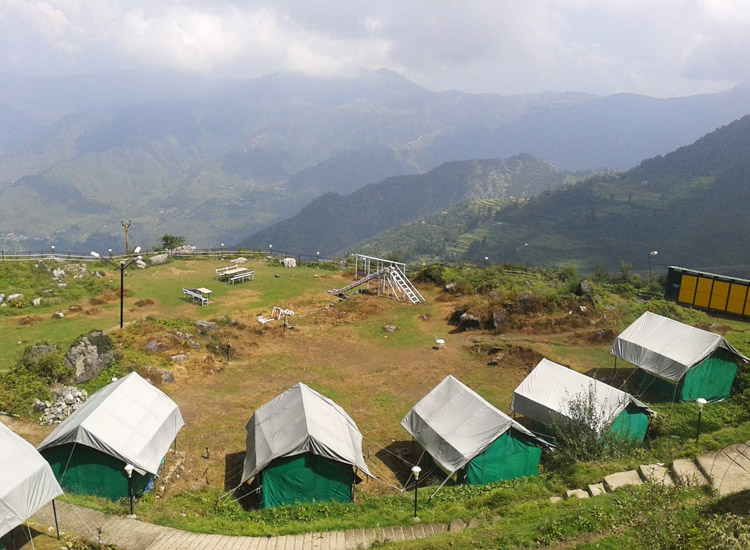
[131, 534]
[728, 471]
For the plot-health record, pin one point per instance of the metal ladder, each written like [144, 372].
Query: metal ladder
[405, 285]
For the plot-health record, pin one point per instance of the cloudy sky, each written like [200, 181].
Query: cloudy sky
[657, 47]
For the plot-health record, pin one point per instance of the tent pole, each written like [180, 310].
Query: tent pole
[54, 512]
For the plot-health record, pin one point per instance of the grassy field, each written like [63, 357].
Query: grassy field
[341, 349]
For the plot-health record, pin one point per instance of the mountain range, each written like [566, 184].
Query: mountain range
[218, 161]
[689, 205]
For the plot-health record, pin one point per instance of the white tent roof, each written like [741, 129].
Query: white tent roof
[454, 424]
[26, 480]
[128, 419]
[300, 420]
[549, 388]
[667, 348]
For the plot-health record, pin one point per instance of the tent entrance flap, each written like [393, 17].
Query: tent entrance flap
[306, 478]
[510, 456]
[631, 424]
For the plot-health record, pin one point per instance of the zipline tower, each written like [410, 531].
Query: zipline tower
[390, 277]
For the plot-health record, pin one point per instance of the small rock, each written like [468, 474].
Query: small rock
[154, 345]
[179, 358]
[576, 493]
[239, 261]
[206, 326]
[555, 500]
[193, 344]
[390, 328]
[62, 285]
[457, 526]
[140, 264]
[14, 297]
[450, 287]
[58, 315]
[58, 274]
[38, 405]
[495, 360]
[499, 318]
[159, 375]
[36, 302]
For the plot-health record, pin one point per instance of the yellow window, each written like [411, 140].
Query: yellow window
[687, 289]
[737, 295]
[719, 295]
[703, 293]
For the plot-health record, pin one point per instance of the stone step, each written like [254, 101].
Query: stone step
[656, 474]
[576, 493]
[728, 469]
[596, 489]
[686, 472]
[612, 482]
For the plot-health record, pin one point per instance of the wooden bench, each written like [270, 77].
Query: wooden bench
[244, 276]
[195, 295]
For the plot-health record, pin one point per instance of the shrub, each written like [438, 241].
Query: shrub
[582, 434]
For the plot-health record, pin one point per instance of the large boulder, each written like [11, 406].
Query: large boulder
[289, 262]
[89, 355]
[469, 322]
[184, 250]
[159, 259]
[585, 291]
[206, 326]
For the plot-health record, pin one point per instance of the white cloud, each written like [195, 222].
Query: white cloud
[671, 47]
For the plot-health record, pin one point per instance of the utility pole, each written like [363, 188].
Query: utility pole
[126, 225]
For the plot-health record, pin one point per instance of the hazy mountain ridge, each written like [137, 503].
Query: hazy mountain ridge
[179, 154]
[689, 205]
[332, 222]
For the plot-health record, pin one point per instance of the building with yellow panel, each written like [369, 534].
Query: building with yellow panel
[708, 291]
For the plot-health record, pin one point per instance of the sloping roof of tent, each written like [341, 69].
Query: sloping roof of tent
[667, 348]
[455, 424]
[549, 388]
[26, 480]
[301, 420]
[129, 419]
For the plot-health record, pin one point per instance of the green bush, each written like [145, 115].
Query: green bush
[582, 435]
[30, 378]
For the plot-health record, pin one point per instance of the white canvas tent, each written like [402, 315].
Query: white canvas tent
[129, 420]
[547, 391]
[454, 424]
[668, 349]
[26, 481]
[299, 422]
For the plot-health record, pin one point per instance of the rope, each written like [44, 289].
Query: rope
[80, 516]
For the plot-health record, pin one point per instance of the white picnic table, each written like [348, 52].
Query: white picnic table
[227, 273]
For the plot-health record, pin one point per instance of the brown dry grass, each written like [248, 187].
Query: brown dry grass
[340, 351]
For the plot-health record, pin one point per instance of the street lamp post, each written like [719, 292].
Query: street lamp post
[701, 403]
[53, 251]
[317, 256]
[222, 251]
[270, 250]
[123, 266]
[650, 255]
[485, 261]
[129, 470]
[415, 470]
